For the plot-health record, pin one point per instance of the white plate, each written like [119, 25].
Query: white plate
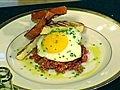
[101, 31]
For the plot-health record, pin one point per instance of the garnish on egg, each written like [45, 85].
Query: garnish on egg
[54, 42]
[59, 42]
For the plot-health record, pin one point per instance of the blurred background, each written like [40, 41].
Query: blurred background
[4, 3]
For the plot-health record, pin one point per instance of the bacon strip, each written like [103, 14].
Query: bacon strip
[35, 31]
[56, 11]
[38, 14]
[59, 10]
[43, 15]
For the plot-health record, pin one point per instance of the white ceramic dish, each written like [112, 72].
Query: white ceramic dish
[100, 30]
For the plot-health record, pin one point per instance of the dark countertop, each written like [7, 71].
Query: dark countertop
[110, 8]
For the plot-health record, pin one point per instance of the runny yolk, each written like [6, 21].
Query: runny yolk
[54, 42]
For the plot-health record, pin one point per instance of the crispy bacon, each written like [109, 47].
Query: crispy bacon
[35, 31]
[59, 10]
[37, 15]
[43, 15]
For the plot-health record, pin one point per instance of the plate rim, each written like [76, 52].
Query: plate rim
[105, 82]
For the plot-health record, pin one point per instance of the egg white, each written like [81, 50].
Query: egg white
[70, 53]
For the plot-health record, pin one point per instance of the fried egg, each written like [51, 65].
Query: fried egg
[61, 45]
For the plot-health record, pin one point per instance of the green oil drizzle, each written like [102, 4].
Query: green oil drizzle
[58, 76]
[34, 69]
[90, 72]
[95, 50]
[29, 64]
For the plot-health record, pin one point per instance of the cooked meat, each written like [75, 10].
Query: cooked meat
[60, 67]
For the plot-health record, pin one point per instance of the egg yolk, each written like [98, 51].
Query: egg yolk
[54, 42]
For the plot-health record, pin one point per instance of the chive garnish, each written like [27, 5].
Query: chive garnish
[66, 58]
[38, 50]
[43, 50]
[83, 67]
[93, 44]
[79, 43]
[26, 58]
[70, 28]
[56, 41]
[42, 44]
[41, 74]
[59, 57]
[100, 43]
[73, 72]
[46, 48]
[30, 62]
[72, 55]
[76, 75]
[17, 49]
[36, 66]
[74, 37]
[68, 51]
